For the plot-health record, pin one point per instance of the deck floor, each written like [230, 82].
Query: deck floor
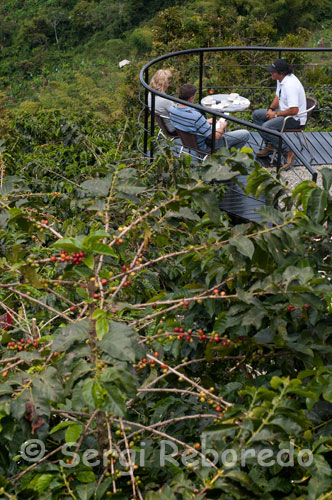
[320, 143]
[240, 208]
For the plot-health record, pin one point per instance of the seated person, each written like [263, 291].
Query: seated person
[289, 101]
[161, 81]
[190, 120]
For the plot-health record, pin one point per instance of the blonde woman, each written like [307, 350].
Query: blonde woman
[161, 81]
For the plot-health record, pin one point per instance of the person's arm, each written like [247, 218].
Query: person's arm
[273, 108]
[287, 112]
[273, 112]
[220, 128]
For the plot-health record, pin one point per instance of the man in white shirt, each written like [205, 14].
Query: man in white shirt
[290, 100]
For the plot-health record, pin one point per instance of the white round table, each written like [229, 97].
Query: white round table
[225, 102]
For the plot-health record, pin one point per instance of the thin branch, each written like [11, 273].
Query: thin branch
[15, 316]
[125, 276]
[14, 479]
[171, 421]
[110, 440]
[171, 438]
[130, 465]
[41, 304]
[191, 382]
[79, 444]
[12, 366]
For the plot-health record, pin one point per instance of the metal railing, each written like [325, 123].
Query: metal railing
[200, 52]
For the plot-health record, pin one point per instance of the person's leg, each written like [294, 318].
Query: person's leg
[259, 117]
[219, 143]
[289, 155]
[237, 138]
[274, 124]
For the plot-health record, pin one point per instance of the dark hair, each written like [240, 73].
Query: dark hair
[186, 91]
[280, 66]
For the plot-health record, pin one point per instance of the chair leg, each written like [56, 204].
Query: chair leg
[273, 156]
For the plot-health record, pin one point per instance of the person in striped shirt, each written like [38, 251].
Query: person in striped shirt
[191, 120]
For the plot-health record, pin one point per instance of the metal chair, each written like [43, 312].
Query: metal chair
[190, 146]
[163, 130]
[299, 132]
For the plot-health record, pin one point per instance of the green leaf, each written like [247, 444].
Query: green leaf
[243, 479]
[30, 275]
[121, 377]
[327, 393]
[276, 382]
[68, 335]
[101, 248]
[317, 204]
[208, 203]
[165, 494]
[89, 261]
[5, 388]
[47, 386]
[99, 313]
[87, 393]
[86, 491]
[62, 425]
[102, 488]
[94, 393]
[244, 245]
[327, 178]
[183, 213]
[68, 244]
[102, 327]
[73, 432]
[263, 435]
[117, 402]
[93, 237]
[119, 342]
[287, 425]
[43, 482]
[218, 173]
[97, 187]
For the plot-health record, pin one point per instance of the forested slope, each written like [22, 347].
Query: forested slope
[64, 55]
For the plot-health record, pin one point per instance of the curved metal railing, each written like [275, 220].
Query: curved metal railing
[150, 130]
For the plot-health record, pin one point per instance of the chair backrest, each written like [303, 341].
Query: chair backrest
[161, 124]
[311, 105]
[189, 141]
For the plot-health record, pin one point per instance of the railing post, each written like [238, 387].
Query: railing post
[279, 154]
[153, 107]
[146, 114]
[213, 138]
[200, 89]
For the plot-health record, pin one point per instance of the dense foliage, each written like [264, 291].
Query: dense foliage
[64, 55]
[137, 320]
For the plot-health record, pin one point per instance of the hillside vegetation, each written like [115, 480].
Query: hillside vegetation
[64, 55]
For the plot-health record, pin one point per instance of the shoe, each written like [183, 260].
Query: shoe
[267, 151]
[289, 161]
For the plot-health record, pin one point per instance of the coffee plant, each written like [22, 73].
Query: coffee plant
[150, 349]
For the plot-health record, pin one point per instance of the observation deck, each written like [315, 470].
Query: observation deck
[243, 70]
